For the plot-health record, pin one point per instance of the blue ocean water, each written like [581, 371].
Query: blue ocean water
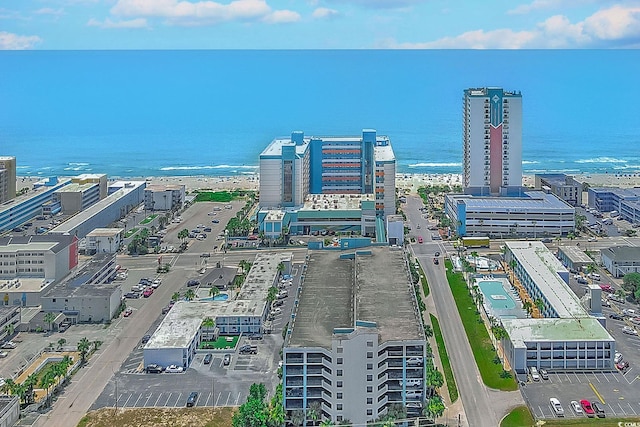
[158, 113]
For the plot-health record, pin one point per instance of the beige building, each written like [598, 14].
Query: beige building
[7, 178]
[164, 197]
[103, 240]
[93, 178]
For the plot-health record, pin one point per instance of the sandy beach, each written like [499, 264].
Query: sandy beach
[405, 181]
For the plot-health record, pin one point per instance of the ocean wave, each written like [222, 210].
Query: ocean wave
[190, 168]
[530, 162]
[78, 164]
[77, 168]
[434, 165]
[602, 160]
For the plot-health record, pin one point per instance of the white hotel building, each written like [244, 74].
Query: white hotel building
[567, 337]
[492, 138]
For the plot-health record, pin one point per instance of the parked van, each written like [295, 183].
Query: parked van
[414, 394]
[412, 382]
[533, 371]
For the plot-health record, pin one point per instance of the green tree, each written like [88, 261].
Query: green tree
[189, 295]
[254, 412]
[591, 268]
[435, 378]
[314, 411]
[49, 318]
[175, 296]
[276, 409]
[213, 291]
[209, 324]
[435, 407]
[83, 349]
[539, 304]
[29, 383]
[61, 342]
[528, 307]
[47, 380]
[428, 331]
[474, 255]
[631, 283]
[183, 234]
[281, 268]
[297, 417]
[271, 294]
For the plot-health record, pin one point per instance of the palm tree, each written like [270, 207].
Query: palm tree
[29, 383]
[83, 349]
[175, 296]
[209, 324]
[6, 387]
[183, 234]
[591, 268]
[47, 380]
[527, 306]
[297, 417]
[428, 331]
[9, 329]
[314, 411]
[281, 268]
[61, 342]
[539, 304]
[49, 318]
[474, 254]
[271, 294]
[189, 295]
[213, 291]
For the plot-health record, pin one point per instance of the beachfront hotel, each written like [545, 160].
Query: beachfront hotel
[292, 168]
[492, 137]
[7, 178]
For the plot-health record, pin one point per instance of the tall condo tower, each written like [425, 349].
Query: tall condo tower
[492, 138]
[7, 178]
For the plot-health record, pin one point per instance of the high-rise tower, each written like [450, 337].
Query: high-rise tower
[492, 138]
[7, 178]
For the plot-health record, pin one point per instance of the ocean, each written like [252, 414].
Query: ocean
[164, 113]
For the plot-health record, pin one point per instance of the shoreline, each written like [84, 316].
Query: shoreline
[403, 180]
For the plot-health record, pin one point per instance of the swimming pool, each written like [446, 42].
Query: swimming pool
[219, 297]
[496, 295]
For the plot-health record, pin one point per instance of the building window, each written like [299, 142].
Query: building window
[339, 395]
[369, 366]
[339, 384]
[369, 389]
[369, 354]
[369, 377]
[339, 373]
[339, 418]
[339, 406]
[340, 360]
[340, 350]
[369, 401]
[369, 411]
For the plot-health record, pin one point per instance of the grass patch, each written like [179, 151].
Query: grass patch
[483, 351]
[444, 359]
[425, 285]
[519, 417]
[130, 233]
[148, 219]
[220, 343]
[219, 196]
[160, 417]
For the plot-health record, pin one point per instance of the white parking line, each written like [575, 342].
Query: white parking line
[541, 412]
[127, 401]
[621, 408]
[157, 400]
[631, 407]
[606, 377]
[136, 404]
[567, 375]
[207, 402]
[179, 396]
[228, 397]
[237, 399]
[614, 412]
[147, 401]
[168, 397]
[594, 376]
[218, 399]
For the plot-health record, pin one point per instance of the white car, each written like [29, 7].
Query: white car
[8, 345]
[156, 283]
[173, 369]
[618, 357]
[576, 407]
[629, 330]
[275, 311]
[557, 407]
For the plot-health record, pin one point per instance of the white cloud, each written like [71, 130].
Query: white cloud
[382, 4]
[324, 13]
[10, 41]
[182, 12]
[282, 17]
[50, 11]
[108, 23]
[617, 26]
[535, 5]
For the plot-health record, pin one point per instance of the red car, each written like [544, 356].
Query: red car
[127, 312]
[586, 407]
[147, 292]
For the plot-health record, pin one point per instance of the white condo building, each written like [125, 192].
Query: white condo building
[492, 138]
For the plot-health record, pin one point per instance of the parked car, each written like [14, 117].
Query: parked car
[629, 312]
[215, 221]
[192, 282]
[586, 407]
[617, 357]
[416, 360]
[154, 369]
[616, 316]
[622, 365]
[156, 283]
[208, 358]
[598, 408]
[557, 407]
[127, 312]
[533, 371]
[248, 349]
[278, 303]
[192, 399]
[147, 292]
[174, 369]
[132, 295]
[576, 407]
[145, 339]
[276, 311]
[544, 374]
[255, 337]
[3, 354]
[207, 229]
[7, 345]
[629, 330]
[226, 360]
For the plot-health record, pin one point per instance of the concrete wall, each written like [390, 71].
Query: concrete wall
[10, 410]
[163, 356]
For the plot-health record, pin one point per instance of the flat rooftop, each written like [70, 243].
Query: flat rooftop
[622, 253]
[34, 192]
[181, 324]
[376, 286]
[317, 202]
[275, 147]
[575, 254]
[80, 283]
[76, 187]
[24, 284]
[44, 242]
[522, 331]
[529, 200]
[484, 91]
[164, 187]
[544, 269]
[105, 232]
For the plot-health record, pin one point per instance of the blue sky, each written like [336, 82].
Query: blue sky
[319, 24]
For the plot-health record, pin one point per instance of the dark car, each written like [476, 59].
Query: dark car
[193, 282]
[598, 409]
[255, 337]
[205, 255]
[132, 295]
[146, 338]
[207, 229]
[208, 358]
[616, 316]
[154, 369]
[226, 360]
[278, 303]
[248, 349]
[437, 253]
[192, 399]
[215, 221]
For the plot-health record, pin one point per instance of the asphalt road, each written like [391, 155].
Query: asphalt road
[477, 400]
